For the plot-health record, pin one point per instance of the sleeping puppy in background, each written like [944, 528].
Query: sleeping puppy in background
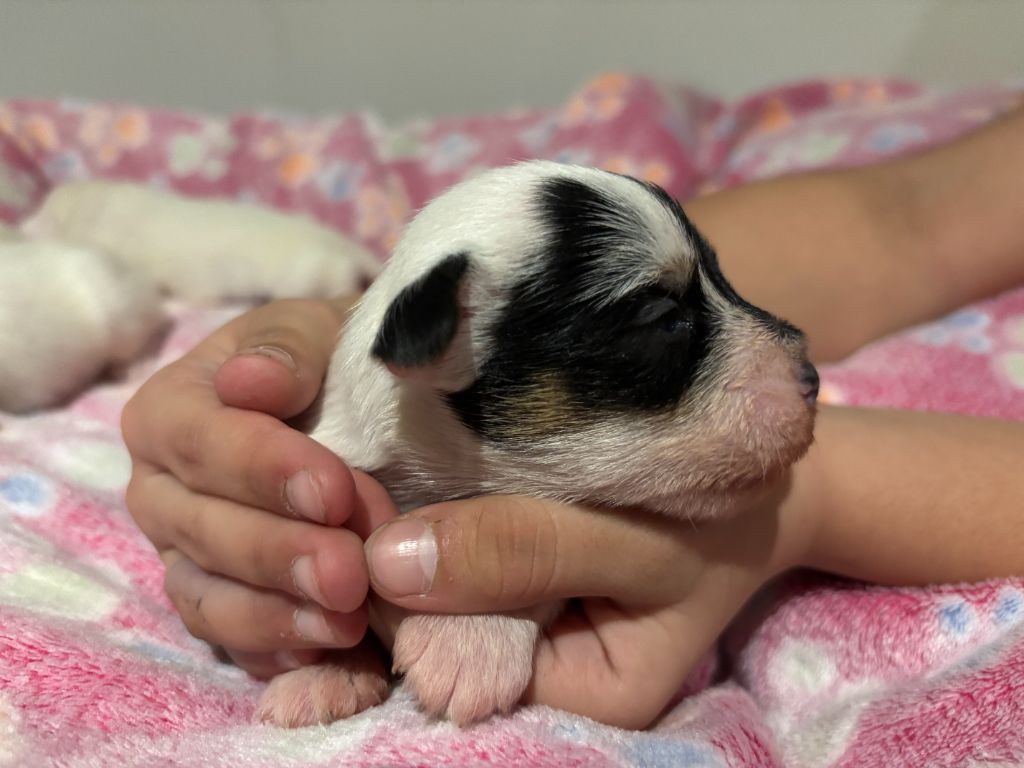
[203, 249]
[66, 313]
[553, 331]
[83, 282]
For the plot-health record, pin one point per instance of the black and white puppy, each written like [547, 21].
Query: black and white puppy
[554, 331]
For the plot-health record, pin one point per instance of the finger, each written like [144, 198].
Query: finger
[588, 662]
[250, 457]
[282, 355]
[373, 507]
[231, 614]
[504, 553]
[311, 562]
[266, 665]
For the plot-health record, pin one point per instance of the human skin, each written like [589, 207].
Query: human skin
[846, 255]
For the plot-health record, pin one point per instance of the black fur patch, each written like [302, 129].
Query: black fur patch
[422, 320]
[560, 357]
[709, 263]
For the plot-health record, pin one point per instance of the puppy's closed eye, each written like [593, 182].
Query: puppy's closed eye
[665, 314]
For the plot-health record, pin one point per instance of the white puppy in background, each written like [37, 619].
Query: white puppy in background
[66, 314]
[84, 290]
[204, 250]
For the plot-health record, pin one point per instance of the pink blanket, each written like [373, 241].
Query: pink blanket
[96, 670]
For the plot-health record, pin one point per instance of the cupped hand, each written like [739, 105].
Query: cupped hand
[656, 592]
[260, 528]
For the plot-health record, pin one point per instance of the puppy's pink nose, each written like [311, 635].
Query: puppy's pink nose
[809, 383]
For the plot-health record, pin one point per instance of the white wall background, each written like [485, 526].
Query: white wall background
[413, 57]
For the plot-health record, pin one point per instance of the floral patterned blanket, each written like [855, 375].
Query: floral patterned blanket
[95, 668]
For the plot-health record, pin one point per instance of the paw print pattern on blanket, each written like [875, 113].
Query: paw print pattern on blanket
[95, 668]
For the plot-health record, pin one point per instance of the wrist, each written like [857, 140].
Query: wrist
[801, 510]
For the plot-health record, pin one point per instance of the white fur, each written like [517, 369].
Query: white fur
[65, 314]
[203, 250]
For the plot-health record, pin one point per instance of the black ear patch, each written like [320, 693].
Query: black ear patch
[422, 320]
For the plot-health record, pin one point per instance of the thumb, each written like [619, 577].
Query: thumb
[507, 552]
[281, 352]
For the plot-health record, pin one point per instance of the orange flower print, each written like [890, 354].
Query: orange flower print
[294, 152]
[294, 168]
[649, 170]
[603, 98]
[774, 117]
[109, 133]
[40, 132]
[33, 133]
[871, 93]
[830, 394]
[842, 90]
[381, 212]
[875, 93]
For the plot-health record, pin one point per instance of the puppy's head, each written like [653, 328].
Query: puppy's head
[577, 326]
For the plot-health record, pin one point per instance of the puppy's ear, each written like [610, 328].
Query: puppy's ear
[415, 338]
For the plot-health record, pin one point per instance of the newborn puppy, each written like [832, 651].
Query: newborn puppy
[203, 250]
[554, 331]
[65, 314]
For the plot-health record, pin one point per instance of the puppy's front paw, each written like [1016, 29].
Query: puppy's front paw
[322, 693]
[466, 668]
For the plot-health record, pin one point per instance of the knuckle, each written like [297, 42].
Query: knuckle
[511, 557]
[133, 498]
[323, 313]
[188, 532]
[264, 564]
[135, 416]
[189, 606]
[262, 617]
[264, 475]
[188, 446]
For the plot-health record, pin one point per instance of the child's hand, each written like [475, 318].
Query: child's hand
[657, 592]
[246, 512]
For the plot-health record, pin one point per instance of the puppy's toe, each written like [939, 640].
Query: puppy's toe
[466, 668]
[323, 693]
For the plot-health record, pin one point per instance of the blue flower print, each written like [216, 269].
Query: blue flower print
[892, 137]
[965, 329]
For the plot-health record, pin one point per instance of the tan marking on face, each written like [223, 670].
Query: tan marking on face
[542, 409]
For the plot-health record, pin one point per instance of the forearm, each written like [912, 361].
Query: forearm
[851, 255]
[915, 498]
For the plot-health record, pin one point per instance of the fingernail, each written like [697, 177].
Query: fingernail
[275, 353]
[403, 557]
[304, 578]
[311, 625]
[287, 660]
[303, 497]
